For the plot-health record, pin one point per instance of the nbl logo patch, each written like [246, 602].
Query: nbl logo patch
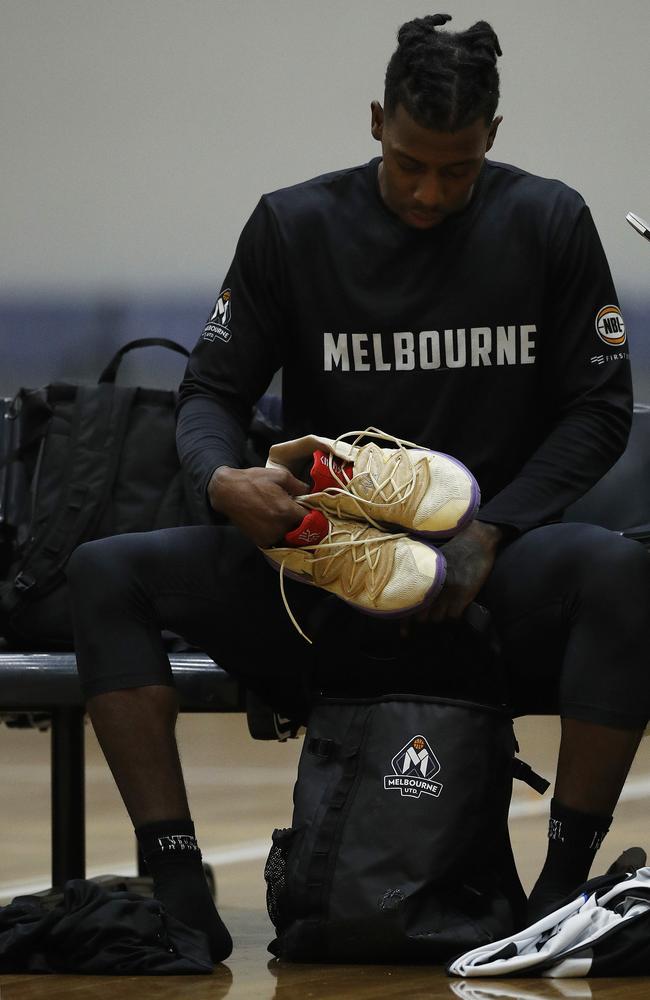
[610, 326]
[218, 326]
[414, 768]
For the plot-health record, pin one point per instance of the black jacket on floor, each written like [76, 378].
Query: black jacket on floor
[94, 931]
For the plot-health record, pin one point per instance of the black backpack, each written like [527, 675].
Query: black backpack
[399, 848]
[81, 462]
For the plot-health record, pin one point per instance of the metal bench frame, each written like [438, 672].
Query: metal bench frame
[48, 682]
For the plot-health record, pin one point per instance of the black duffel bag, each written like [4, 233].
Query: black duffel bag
[82, 462]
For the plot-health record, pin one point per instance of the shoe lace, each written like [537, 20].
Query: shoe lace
[386, 491]
[355, 554]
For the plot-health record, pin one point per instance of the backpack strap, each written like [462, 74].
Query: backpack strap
[35, 413]
[323, 857]
[98, 429]
[525, 773]
[322, 748]
[110, 371]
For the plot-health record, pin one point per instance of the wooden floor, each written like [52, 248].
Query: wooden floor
[240, 790]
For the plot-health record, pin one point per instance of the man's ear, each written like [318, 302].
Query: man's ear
[376, 120]
[494, 128]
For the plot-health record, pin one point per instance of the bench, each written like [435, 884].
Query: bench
[35, 683]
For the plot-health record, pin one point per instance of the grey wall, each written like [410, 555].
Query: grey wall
[138, 134]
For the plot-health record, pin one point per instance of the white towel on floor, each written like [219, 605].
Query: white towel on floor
[545, 948]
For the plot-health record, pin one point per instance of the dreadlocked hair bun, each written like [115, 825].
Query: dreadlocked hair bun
[419, 27]
[445, 80]
[482, 35]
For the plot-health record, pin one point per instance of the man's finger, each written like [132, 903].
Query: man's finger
[295, 486]
[287, 481]
[298, 512]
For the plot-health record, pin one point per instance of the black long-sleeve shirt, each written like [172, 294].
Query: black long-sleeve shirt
[494, 337]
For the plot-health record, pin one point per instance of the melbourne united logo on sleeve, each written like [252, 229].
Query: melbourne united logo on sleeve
[218, 326]
[414, 769]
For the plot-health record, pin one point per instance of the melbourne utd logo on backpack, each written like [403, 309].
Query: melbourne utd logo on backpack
[218, 326]
[415, 766]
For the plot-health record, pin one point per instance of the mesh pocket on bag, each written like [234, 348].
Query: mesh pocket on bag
[275, 872]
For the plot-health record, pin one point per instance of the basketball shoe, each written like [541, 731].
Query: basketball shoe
[377, 572]
[403, 487]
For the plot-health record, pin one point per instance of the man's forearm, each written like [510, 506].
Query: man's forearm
[208, 436]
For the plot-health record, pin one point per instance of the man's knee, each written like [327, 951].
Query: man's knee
[102, 572]
[615, 573]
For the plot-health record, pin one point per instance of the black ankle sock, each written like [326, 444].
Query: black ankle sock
[573, 839]
[173, 858]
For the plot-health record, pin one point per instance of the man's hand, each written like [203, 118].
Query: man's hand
[258, 501]
[470, 557]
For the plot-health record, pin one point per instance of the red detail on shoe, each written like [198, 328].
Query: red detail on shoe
[311, 530]
[321, 473]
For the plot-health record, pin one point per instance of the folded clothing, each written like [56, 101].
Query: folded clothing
[93, 930]
[603, 931]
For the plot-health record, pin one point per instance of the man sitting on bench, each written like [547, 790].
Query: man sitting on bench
[452, 301]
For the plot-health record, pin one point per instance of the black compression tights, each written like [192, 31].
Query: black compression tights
[570, 602]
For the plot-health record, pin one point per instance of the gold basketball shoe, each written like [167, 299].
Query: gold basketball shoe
[404, 486]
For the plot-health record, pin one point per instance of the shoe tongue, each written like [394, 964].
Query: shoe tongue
[321, 473]
[369, 468]
[312, 529]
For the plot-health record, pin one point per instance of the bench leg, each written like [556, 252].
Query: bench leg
[68, 796]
